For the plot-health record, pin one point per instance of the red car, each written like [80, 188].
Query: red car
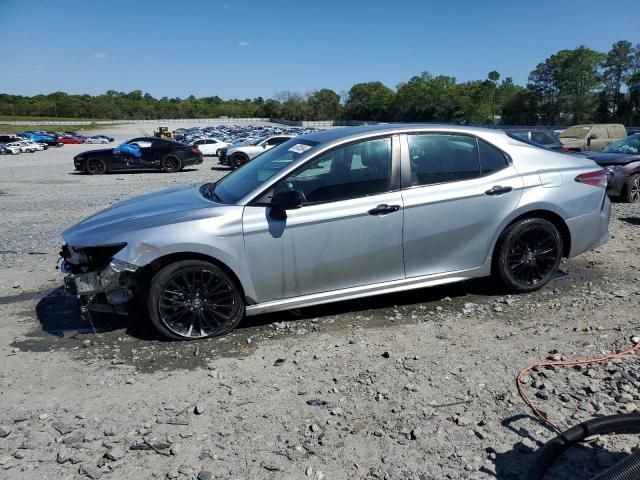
[70, 139]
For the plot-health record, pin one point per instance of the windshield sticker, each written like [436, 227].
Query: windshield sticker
[299, 148]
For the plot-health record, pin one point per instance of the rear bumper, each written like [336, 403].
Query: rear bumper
[590, 231]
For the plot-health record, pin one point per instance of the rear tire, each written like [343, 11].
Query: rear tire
[171, 164]
[631, 192]
[528, 255]
[194, 299]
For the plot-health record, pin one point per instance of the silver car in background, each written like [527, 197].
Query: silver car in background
[337, 215]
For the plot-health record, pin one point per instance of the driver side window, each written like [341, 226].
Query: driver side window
[357, 170]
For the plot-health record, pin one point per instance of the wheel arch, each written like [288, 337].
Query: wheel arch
[548, 215]
[104, 159]
[147, 272]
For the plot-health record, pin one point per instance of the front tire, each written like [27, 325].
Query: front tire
[171, 164]
[194, 299]
[631, 192]
[528, 255]
[238, 159]
[95, 166]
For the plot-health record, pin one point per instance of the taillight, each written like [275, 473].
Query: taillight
[565, 150]
[195, 150]
[597, 178]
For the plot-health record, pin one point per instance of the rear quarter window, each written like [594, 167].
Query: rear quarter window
[491, 159]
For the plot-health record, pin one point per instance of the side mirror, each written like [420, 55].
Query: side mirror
[283, 201]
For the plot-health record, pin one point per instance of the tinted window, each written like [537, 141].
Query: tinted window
[276, 141]
[353, 171]
[541, 138]
[491, 159]
[437, 158]
[522, 135]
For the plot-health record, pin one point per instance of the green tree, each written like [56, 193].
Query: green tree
[369, 101]
[566, 84]
[324, 104]
[617, 67]
[425, 98]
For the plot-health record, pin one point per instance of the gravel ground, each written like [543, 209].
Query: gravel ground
[418, 385]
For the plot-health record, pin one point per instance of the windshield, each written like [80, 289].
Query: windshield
[631, 144]
[256, 141]
[243, 181]
[575, 132]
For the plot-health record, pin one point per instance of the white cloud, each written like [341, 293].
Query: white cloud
[243, 44]
[101, 55]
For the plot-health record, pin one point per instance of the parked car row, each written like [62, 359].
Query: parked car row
[235, 145]
[32, 141]
[15, 144]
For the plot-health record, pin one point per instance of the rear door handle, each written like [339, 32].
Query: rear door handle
[384, 209]
[498, 190]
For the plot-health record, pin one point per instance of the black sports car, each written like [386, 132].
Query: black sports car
[144, 153]
[621, 161]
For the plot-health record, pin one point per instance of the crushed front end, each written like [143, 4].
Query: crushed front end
[96, 277]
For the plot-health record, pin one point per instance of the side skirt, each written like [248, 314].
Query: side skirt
[370, 290]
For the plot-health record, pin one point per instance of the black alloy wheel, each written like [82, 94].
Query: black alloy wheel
[529, 254]
[193, 299]
[95, 166]
[171, 164]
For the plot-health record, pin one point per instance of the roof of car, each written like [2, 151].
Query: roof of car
[382, 129]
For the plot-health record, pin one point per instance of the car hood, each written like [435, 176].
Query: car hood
[604, 158]
[147, 211]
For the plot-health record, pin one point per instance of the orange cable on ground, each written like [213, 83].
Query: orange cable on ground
[542, 416]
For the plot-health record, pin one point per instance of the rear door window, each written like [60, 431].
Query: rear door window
[616, 132]
[442, 158]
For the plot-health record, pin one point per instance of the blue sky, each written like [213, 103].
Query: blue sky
[249, 48]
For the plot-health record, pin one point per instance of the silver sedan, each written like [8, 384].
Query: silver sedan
[96, 140]
[337, 215]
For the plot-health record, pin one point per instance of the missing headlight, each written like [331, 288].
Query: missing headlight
[89, 259]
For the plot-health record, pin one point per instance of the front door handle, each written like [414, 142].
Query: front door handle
[384, 209]
[498, 190]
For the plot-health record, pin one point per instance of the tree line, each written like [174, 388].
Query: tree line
[571, 86]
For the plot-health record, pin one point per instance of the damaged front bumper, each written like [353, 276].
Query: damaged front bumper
[115, 282]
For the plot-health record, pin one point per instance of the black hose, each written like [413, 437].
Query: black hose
[627, 469]
[596, 426]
